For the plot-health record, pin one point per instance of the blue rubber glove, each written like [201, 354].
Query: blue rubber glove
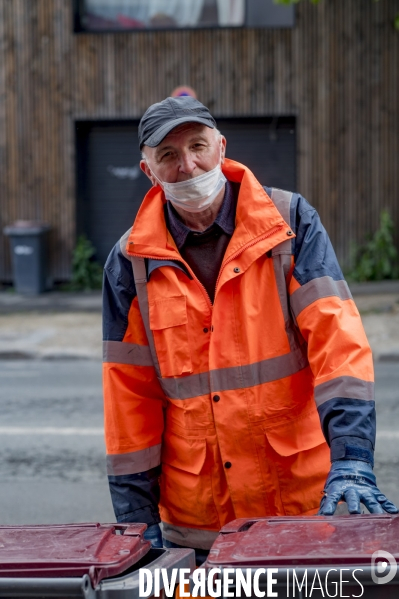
[354, 482]
[154, 534]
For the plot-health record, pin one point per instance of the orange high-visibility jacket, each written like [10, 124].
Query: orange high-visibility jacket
[231, 399]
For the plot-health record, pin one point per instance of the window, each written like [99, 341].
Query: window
[130, 15]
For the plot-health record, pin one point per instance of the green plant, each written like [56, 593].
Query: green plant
[395, 21]
[86, 273]
[377, 259]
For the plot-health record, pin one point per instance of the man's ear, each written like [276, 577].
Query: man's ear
[223, 143]
[147, 171]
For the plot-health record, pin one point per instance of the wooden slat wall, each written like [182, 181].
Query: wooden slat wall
[337, 71]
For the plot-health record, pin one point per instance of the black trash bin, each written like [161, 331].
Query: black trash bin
[29, 255]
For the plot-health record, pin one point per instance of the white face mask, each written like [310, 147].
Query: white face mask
[195, 195]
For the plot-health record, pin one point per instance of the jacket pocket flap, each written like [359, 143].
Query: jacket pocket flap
[166, 312]
[184, 454]
[296, 435]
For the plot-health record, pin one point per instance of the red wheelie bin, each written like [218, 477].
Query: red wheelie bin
[315, 556]
[90, 561]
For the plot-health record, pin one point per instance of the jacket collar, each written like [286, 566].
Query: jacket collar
[225, 219]
[256, 215]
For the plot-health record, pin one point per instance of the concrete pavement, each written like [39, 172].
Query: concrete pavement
[54, 325]
[63, 325]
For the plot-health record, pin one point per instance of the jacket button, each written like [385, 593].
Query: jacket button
[216, 398]
[227, 464]
[289, 232]
[236, 269]
[205, 330]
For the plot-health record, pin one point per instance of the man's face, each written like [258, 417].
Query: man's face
[186, 152]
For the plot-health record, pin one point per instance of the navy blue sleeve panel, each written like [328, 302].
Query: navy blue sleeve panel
[348, 423]
[352, 448]
[269, 191]
[314, 255]
[118, 293]
[135, 497]
[349, 426]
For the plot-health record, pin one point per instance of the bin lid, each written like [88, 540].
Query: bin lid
[26, 227]
[99, 550]
[305, 540]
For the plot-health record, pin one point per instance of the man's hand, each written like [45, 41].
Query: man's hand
[154, 534]
[354, 482]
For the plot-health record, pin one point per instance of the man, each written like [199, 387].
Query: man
[236, 365]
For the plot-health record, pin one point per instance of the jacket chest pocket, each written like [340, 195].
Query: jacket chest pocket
[169, 326]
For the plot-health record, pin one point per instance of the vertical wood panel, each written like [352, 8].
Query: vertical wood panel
[336, 71]
[4, 204]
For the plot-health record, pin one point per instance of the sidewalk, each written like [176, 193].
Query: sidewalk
[62, 325]
[55, 325]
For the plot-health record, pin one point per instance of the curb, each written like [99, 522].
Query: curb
[374, 288]
[393, 357]
[52, 301]
[49, 357]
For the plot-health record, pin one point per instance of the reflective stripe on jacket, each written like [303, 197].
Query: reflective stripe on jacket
[232, 398]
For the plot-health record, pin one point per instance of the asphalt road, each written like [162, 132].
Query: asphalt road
[52, 448]
[51, 443]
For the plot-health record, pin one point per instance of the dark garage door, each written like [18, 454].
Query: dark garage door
[111, 186]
